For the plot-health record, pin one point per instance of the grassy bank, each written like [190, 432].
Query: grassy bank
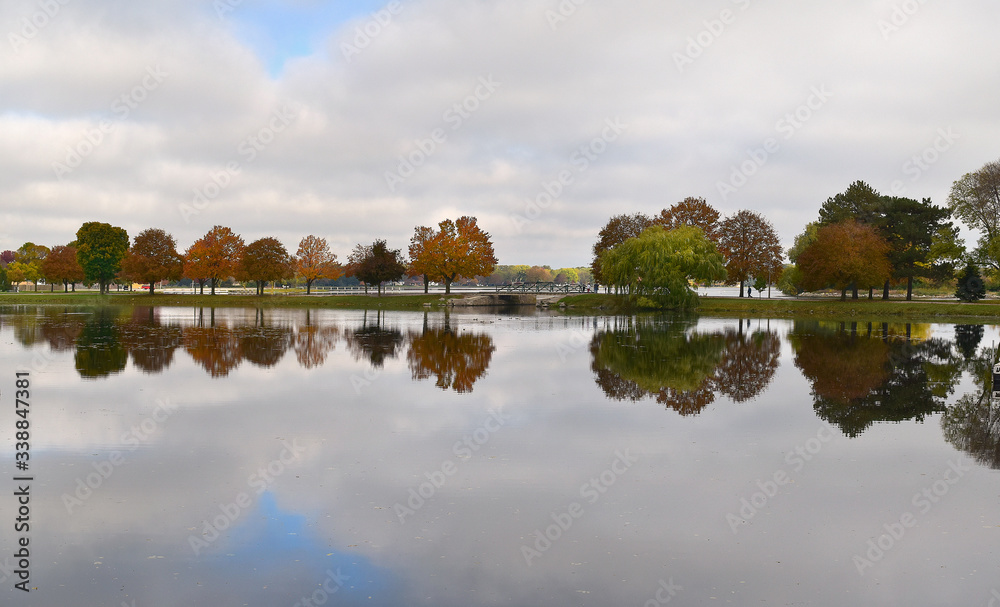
[589, 303]
[356, 302]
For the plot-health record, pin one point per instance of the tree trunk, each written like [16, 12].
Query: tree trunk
[871, 292]
[843, 294]
[447, 285]
[309, 284]
[213, 286]
[152, 287]
[885, 290]
[854, 291]
[741, 288]
[65, 286]
[909, 288]
[427, 284]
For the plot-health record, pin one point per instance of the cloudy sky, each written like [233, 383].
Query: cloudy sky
[363, 119]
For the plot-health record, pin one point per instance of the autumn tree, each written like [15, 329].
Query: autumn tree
[421, 254]
[17, 273]
[265, 260]
[376, 263]
[153, 257]
[618, 229]
[691, 212]
[100, 249]
[6, 257]
[32, 255]
[60, 265]
[215, 256]
[751, 247]
[457, 249]
[844, 255]
[314, 261]
[975, 200]
[538, 274]
[659, 264]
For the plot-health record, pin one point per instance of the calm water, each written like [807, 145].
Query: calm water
[265, 458]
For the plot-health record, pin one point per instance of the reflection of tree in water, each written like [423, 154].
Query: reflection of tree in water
[263, 344]
[99, 351]
[150, 343]
[973, 423]
[860, 378]
[313, 342]
[683, 369]
[214, 348]
[457, 360]
[374, 342]
[967, 338]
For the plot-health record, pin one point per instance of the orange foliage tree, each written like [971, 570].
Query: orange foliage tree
[691, 212]
[60, 265]
[264, 260]
[153, 257]
[215, 256]
[314, 261]
[845, 255]
[751, 248]
[458, 249]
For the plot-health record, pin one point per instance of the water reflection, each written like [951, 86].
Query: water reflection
[375, 340]
[973, 423]
[874, 373]
[682, 368]
[456, 359]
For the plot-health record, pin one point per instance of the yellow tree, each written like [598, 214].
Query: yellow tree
[422, 255]
[315, 261]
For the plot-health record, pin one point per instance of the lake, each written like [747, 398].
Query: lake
[195, 456]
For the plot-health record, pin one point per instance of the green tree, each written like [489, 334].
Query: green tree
[618, 229]
[659, 264]
[859, 202]
[970, 284]
[975, 200]
[152, 258]
[376, 264]
[909, 228]
[33, 256]
[100, 250]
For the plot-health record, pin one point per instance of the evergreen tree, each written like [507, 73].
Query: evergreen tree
[970, 284]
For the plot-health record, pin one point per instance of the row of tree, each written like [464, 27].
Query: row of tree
[657, 257]
[102, 254]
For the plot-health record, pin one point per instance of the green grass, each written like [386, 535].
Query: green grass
[357, 302]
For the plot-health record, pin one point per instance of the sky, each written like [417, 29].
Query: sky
[357, 121]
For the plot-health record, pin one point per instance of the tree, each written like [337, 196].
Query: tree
[844, 255]
[909, 227]
[16, 273]
[376, 264]
[215, 256]
[60, 265]
[421, 254]
[457, 249]
[314, 260]
[265, 260]
[790, 281]
[691, 212]
[32, 255]
[975, 199]
[618, 229]
[803, 240]
[456, 359]
[100, 249]
[152, 258]
[859, 202]
[567, 275]
[538, 274]
[970, 284]
[751, 247]
[659, 264]
[6, 257]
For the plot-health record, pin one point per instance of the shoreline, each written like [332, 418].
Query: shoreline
[582, 304]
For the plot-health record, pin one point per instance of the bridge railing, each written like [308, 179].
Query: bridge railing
[541, 287]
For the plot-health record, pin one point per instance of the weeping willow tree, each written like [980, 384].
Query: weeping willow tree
[659, 265]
